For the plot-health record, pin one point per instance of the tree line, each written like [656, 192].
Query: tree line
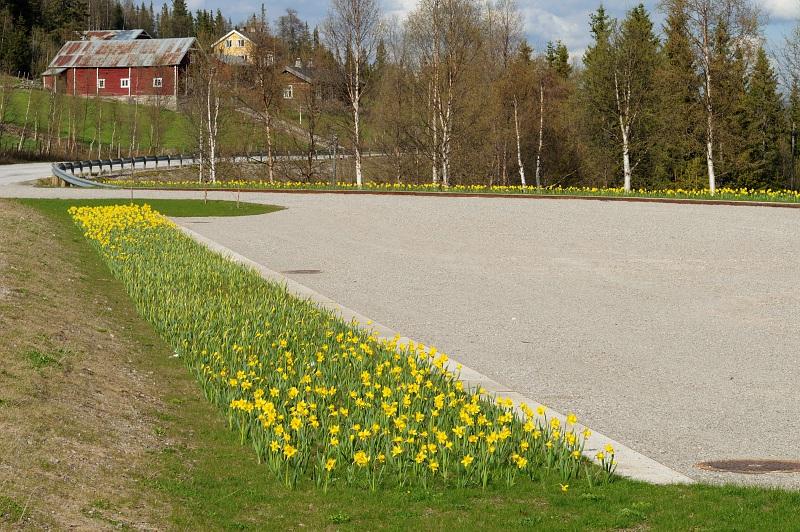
[697, 104]
[453, 93]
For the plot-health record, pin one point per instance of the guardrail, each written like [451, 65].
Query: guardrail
[75, 172]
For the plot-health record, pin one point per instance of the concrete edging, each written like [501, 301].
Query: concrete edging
[631, 464]
[495, 195]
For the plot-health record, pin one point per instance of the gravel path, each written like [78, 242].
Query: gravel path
[671, 328]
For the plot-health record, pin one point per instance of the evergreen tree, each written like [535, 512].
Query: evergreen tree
[220, 26]
[596, 97]
[165, 23]
[760, 161]
[182, 23]
[794, 125]
[380, 56]
[729, 70]
[680, 153]
[117, 17]
[637, 58]
[557, 57]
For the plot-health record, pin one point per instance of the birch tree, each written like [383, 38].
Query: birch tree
[446, 36]
[351, 32]
[261, 94]
[206, 98]
[636, 58]
[705, 18]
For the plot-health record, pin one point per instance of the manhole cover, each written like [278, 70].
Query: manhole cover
[751, 467]
[290, 272]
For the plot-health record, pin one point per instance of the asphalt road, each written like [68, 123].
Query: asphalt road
[672, 328]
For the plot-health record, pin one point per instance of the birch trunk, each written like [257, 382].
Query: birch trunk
[357, 117]
[541, 137]
[623, 114]
[519, 146]
[212, 108]
[626, 158]
[270, 161]
[435, 116]
[712, 180]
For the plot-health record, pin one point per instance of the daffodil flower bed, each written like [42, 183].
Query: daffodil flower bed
[317, 397]
[724, 194]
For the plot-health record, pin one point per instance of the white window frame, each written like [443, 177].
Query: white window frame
[158, 82]
[101, 83]
[228, 43]
[241, 43]
[125, 83]
[288, 92]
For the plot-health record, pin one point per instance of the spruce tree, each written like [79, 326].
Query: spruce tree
[729, 68]
[794, 126]
[596, 96]
[680, 152]
[763, 127]
[557, 57]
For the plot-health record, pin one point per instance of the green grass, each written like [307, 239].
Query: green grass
[168, 207]
[40, 359]
[212, 482]
[155, 130]
[173, 127]
[10, 510]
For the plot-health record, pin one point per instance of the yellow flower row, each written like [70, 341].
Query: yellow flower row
[316, 397]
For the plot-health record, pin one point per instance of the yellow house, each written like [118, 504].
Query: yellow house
[234, 48]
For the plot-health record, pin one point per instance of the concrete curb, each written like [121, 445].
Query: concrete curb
[631, 464]
[495, 195]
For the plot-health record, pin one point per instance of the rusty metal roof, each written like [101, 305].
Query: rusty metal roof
[114, 35]
[130, 53]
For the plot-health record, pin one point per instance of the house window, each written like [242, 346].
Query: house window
[228, 43]
[125, 83]
[158, 82]
[101, 84]
[288, 92]
[241, 43]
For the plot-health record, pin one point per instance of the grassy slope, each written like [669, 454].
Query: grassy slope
[237, 133]
[174, 126]
[168, 207]
[210, 482]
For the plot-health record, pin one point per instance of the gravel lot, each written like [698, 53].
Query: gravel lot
[671, 328]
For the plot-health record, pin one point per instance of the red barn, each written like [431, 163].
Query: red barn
[146, 70]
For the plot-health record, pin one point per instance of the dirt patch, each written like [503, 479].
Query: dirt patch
[77, 412]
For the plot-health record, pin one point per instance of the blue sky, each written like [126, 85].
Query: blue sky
[544, 20]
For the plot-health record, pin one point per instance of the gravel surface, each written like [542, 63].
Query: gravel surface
[670, 328]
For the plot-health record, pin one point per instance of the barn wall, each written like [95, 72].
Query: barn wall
[83, 81]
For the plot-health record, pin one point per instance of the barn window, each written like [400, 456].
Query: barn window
[288, 92]
[241, 43]
[228, 43]
[125, 83]
[158, 82]
[101, 84]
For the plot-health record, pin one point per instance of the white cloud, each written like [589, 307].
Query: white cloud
[781, 9]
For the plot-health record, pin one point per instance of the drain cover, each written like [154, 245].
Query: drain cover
[290, 272]
[751, 467]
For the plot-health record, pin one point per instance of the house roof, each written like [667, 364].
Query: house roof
[304, 73]
[115, 35]
[240, 33]
[115, 53]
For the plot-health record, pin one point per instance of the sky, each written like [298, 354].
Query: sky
[565, 20]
